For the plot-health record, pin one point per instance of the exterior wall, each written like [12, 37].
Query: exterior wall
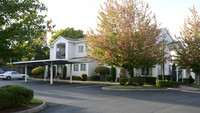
[71, 50]
[79, 72]
[61, 40]
[51, 53]
[77, 54]
[92, 66]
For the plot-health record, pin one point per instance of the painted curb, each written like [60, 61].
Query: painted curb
[35, 109]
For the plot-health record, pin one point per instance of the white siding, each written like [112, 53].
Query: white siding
[51, 53]
[77, 54]
[71, 50]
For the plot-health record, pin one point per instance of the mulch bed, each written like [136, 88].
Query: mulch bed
[19, 108]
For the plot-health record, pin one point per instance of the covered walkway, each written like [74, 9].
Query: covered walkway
[51, 63]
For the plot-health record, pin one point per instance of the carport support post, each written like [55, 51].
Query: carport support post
[45, 72]
[51, 75]
[70, 73]
[25, 72]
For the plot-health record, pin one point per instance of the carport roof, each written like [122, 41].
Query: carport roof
[55, 61]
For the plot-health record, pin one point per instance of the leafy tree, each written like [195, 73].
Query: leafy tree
[188, 56]
[126, 36]
[21, 21]
[68, 32]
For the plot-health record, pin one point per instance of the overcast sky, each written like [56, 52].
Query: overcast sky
[82, 14]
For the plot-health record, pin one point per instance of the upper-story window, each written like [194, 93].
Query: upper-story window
[80, 49]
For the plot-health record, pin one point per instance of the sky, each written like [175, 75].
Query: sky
[82, 14]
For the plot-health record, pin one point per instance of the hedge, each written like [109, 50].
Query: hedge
[132, 81]
[84, 77]
[15, 95]
[109, 78]
[95, 78]
[166, 77]
[64, 71]
[189, 80]
[161, 83]
[123, 81]
[113, 73]
[150, 80]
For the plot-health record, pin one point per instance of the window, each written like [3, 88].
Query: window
[75, 67]
[80, 49]
[83, 67]
[86, 47]
[145, 71]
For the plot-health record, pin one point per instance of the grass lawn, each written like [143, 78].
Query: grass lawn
[99, 81]
[132, 87]
[195, 85]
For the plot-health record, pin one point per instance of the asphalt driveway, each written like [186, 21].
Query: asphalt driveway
[63, 97]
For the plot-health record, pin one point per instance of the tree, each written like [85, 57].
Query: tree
[126, 36]
[34, 49]
[188, 52]
[21, 21]
[68, 32]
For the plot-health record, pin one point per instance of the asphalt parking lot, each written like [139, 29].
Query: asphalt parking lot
[63, 97]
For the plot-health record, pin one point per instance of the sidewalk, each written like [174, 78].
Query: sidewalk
[186, 88]
[77, 81]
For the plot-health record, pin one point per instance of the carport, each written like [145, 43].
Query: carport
[51, 63]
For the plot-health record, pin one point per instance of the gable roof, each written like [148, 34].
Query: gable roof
[70, 39]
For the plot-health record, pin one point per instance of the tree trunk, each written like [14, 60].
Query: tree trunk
[197, 78]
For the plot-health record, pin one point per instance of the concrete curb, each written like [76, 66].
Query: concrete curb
[173, 89]
[35, 109]
[112, 89]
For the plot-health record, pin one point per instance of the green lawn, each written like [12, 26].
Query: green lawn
[35, 101]
[195, 85]
[132, 87]
[99, 81]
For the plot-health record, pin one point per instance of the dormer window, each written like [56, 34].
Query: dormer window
[80, 49]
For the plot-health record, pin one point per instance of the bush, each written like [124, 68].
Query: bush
[95, 78]
[150, 80]
[161, 83]
[191, 80]
[5, 98]
[113, 73]
[109, 78]
[123, 81]
[186, 80]
[76, 78]
[137, 81]
[166, 77]
[38, 71]
[102, 70]
[17, 95]
[64, 71]
[84, 77]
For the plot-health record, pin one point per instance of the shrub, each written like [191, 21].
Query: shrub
[54, 71]
[76, 78]
[84, 77]
[166, 77]
[150, 80]
[123, 81]
[191, 80]
[64, 71]
[102, 70]
[161, 83]
[5, 98]
[38, 71]
[95, 78]
[109, 78]
[137, 81]
[113, 73]
[186, 80]
[19, 95]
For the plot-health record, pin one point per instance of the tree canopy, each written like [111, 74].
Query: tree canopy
[21, 20]
[126, 35]
[188, 52]
[68, 32]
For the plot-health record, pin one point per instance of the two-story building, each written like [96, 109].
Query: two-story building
[75, 49]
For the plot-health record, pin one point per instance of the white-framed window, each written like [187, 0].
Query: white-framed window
[83, 67]
[76, 66]
[145, 71]
[86, 47]
[80, 49]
